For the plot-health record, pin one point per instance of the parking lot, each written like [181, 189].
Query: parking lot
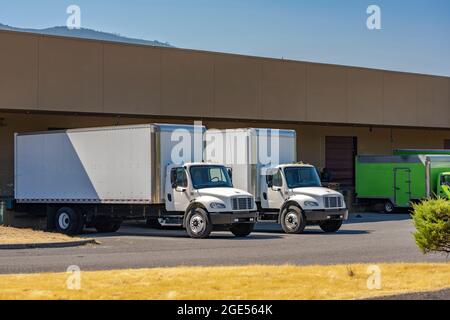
[369, 238]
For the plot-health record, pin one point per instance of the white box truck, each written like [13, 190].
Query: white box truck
[98, 177]
[264, 163]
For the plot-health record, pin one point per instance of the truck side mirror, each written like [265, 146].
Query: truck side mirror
[269, 180]
[230, 173]
[173, 178]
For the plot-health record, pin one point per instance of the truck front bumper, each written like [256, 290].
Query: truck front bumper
[228, 218]
[324, 215]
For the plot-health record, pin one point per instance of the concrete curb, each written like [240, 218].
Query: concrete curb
[47, 245]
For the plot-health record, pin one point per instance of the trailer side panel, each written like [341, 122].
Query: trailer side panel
[380, 177]
[102, 165]
[247, 151]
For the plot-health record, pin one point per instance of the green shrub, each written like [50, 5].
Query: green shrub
[432, 221]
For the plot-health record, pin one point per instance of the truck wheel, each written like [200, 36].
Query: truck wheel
[293, 220]
[331, 226]
[107, 226]
[242, 230]
[389, 207]
[198, 225]
[69, 221]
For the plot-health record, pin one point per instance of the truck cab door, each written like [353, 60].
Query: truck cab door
[274, 194]
[177, 190]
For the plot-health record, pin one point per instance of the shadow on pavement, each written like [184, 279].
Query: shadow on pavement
[374, 217]
[173, 233]
[262, 231]
[316, 232]
[340, 232]
[258, 234]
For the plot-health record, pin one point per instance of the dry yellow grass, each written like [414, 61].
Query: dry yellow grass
[246, 282]
[9, 235]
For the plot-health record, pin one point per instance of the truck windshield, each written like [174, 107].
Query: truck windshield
[210, 177]
[445, 180]
[302, 177]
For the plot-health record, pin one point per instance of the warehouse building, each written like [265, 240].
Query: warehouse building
[49, 83]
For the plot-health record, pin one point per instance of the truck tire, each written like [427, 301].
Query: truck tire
[69, 221]
[331, 226]
[389, 207]
[198, 224]
[293, 220]
[107, 226]
[242, 230]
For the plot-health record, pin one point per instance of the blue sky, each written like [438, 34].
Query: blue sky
[415, 35]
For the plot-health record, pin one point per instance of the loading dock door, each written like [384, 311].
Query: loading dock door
[402, 187]
[447, 144]
[340, 153]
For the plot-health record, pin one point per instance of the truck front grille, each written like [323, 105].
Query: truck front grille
[242, 203]
[333, 202]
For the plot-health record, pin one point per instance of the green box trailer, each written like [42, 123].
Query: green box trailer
[398, 181]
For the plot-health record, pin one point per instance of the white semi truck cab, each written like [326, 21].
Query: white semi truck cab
[205, 192]
[285, 192]
[295, 194]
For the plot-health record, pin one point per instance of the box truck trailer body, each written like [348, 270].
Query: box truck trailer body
[264, 163]
[122, 164]
[102, 165]
[99, 176]
[397, 181]
[241, 148]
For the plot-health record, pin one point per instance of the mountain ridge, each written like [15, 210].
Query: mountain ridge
[86, 33]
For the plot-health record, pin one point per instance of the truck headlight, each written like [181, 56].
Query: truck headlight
[311, 204]
[217, 205]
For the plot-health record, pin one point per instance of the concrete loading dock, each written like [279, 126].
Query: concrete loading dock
[57, 83]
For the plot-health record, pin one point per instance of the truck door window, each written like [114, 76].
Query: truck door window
[179, 177]
[277, 180]
[445, 180]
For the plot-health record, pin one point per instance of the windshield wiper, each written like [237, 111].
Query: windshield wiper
[212, 186]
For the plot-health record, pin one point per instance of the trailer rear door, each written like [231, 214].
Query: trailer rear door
[402, 187]
[340, 153]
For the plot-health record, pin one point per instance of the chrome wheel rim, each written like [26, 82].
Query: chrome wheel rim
[64, 220]
[291, 220]
[197, 224]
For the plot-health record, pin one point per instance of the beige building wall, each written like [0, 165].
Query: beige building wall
[54, 82]
[44, 73]
[19, 71]
[70, 75]
[311, 138]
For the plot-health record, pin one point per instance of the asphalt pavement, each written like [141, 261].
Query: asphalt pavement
[372, 238]
[432, 296]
